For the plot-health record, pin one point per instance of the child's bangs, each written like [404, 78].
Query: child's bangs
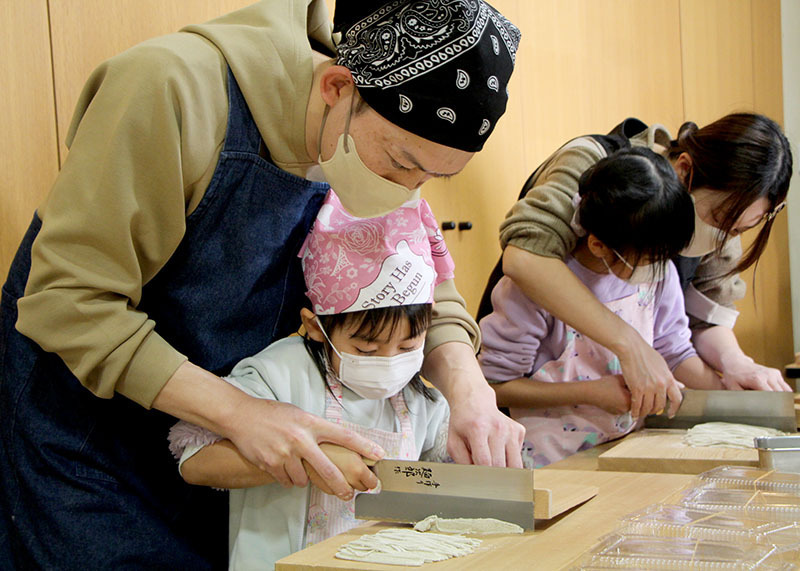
[373, 324]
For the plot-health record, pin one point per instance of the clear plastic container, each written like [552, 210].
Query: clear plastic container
[742, 477]
[682, 521]
[757, 504]
[621, 551]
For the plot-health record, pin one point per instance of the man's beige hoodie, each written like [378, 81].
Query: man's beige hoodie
[144, 143]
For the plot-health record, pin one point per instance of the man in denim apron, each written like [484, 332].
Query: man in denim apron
[167, 251]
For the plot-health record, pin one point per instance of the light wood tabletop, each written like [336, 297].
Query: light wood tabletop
[554, 545]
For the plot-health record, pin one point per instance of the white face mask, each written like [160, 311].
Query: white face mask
[705, 238]
[377, 377]
[362, 192]
[641, 274]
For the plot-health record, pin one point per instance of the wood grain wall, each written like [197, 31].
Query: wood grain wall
[583, 66]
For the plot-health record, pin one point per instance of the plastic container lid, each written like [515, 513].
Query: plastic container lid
[621, 551]
[771, 506]
[682, 521]
[742, 477]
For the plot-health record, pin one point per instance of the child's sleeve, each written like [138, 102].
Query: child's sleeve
[512, 334]
[672, 337]
[186, 439]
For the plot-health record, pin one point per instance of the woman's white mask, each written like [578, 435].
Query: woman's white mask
[376, 377]
[362, 192]
[705, 239]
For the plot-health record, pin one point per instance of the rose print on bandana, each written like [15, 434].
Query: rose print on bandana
[383, 262]
[363, 238]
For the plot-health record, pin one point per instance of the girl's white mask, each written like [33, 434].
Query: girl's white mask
[641, 274]
[362, 192]
[376, 377]
[705, 239]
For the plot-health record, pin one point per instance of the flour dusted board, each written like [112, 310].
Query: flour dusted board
[662, 451]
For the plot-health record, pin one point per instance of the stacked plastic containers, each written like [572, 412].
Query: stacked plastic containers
[731, 517]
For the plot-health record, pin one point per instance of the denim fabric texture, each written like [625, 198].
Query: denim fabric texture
[89, 483]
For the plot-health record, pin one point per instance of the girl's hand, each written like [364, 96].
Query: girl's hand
[351, 464]
[744, 374]
[609, 393]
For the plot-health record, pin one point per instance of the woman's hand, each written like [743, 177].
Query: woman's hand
[350, 464]
[648, 378]
[746, 374]
[609, 393]
[718, 347]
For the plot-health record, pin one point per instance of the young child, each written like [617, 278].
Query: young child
[370, 283]
[633, 216]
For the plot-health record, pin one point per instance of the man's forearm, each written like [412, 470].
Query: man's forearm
[202, 398]
[453, 369]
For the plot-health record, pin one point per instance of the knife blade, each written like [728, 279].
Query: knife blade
[411, 491]
[756, 408]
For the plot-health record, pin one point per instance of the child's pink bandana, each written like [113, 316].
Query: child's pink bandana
[353, 264]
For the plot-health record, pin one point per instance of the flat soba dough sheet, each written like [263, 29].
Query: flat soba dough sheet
[727, 434]
[480, 526]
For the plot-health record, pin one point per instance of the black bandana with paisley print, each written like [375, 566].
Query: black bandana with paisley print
[436, 68]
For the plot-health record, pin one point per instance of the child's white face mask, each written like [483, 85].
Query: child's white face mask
[373, 377]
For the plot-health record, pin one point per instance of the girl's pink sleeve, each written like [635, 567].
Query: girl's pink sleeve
[185, 434]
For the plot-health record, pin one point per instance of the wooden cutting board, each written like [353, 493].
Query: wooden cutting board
[553, 545]
[552, 496]
[662, 451]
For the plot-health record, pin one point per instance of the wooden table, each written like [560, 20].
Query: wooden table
[583, 460]
[554, 545]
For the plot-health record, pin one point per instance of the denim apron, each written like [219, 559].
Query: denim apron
[89, 483]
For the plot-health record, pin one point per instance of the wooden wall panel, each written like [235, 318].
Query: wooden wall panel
[765, 330]
[87, 32]
[717, 38]
[28, 159]
[482, 193]
[732, 62]
[582, 67]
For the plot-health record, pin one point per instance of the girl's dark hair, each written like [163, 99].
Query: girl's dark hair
[633, 202]
[744, 155]
[370, 324]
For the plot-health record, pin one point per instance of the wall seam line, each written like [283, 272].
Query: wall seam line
[53, 79]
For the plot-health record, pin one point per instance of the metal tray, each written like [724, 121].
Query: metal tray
[781, 453]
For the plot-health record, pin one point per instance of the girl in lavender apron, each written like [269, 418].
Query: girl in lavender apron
[370, 283]
[632, 215]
